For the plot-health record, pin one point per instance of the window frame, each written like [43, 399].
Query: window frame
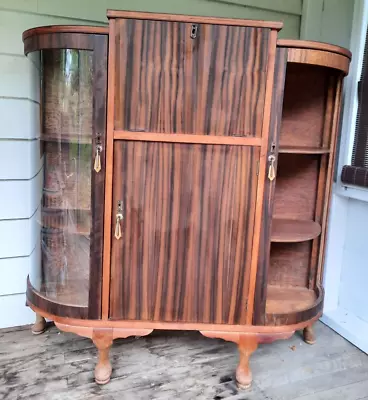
[349, 115]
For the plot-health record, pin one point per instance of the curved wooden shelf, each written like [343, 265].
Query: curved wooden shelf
[53, 307]
[315, 53]
[303, 150]
[80, 139]
[292, 305]
[62, 37]
[293, 231]
[310, 44]
[43, 30]
[284, 300]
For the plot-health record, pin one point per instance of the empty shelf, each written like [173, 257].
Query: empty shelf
[303, 150]
[66, 138]
[294, 230]
[285, 300]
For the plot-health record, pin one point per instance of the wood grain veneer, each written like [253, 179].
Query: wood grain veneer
[269, 188]
[99, 107]
[289, 264]
[309, 44]
[80, 41]
[304, 105]
[187, 231]
[293, 230]
[296, 186]
[128, 324]
[283, 300]
[87, 29]
[303, 150]
[168, 82]
[322, 58]
[193, 19]
[335, 126]
[298, 305]
[108, 173]
[54, 307]
[184, 138]
[263, 167]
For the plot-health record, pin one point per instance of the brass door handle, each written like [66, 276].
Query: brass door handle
[97, 164]
[119, 217]
[271, 168]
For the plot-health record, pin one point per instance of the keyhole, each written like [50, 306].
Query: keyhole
[194, 30]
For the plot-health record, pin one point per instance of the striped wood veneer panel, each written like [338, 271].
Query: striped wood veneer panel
[187, 231]
[167, 82]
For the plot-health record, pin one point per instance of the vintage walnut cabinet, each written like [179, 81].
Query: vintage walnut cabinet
[187, 173]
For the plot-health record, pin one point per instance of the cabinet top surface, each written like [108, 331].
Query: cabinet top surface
[42, 30]
[194, 19]
[308, 44]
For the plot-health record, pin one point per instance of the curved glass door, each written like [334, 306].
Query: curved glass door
[67, 141]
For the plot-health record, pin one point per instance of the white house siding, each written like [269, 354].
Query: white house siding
[20, 166]
[346, 266]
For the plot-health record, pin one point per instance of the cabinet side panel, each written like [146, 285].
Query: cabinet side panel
[98, 179]
[304, 105]
[169, 81]
[264, 253]
[187, 231]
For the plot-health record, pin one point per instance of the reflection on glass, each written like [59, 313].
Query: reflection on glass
[66, 136]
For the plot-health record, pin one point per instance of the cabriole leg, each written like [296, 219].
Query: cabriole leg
[39, 326]
[103, 338]
[247, 345]
[308, 335]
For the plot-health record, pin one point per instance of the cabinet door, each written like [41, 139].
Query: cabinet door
[68, 277]
[197, 79]
[186, 231]
[188, 119]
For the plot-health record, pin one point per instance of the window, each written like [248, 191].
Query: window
[357, 172]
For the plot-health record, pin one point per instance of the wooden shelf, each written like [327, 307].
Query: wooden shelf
[66, 138]
[74, 292]
[303, 150]
[74, 222]
[285, 300]
[67, 208]
[294, 230]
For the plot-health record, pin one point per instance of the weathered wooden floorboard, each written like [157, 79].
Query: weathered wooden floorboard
[179, 365]
[356, 390]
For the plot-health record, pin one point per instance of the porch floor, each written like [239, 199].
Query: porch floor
[179, 365]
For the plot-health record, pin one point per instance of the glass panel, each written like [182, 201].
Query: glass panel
[66, 140]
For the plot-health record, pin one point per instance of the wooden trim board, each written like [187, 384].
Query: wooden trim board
[193, 19]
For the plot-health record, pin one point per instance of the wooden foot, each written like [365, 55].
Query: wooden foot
[39, 326]
[247, 343]
[103, 339]
[308, 335]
